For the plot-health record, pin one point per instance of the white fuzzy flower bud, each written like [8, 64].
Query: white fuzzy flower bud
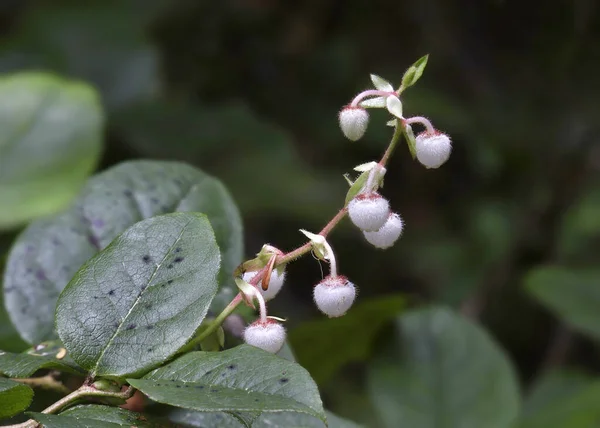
[334, 296]
[275, 284]
[353, 122]
[369, 211]
[433, 149]
[268, 335]
[388, 234]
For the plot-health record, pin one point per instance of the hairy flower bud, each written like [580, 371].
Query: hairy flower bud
[275, 284]
[353, 122]
[369, 211]
[334, 295]
[388, 234]
[268, 335]
[433, 149]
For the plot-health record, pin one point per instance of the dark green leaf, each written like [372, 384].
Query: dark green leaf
[115, 415]
[135, 303]
[243, 381]
[573, 294]
[562, 399]
[26, 364]
[322, 346]
[414, 72]
[14, 398]
[445, 371]
[49, 252]
[60, 421]
[50, 140]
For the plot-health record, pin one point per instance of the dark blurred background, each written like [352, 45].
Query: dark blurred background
[249, 90]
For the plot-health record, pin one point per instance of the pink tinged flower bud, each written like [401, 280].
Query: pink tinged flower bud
[433, 149]
[353, 122]
[268, 335]
[334, 296]
[388, 234]
[275, 284]
[369, 211]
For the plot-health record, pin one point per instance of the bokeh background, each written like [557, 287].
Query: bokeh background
[249, 90]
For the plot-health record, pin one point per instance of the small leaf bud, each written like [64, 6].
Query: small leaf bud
[268, 335]
[275, 284]
[388, 234]
[334, 295]
[369, 211]
[353, 122]
[433, 149]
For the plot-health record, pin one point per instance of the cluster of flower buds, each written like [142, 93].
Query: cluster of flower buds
[261, 279]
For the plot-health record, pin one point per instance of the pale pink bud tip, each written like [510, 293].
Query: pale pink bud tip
[369, 211]
[353, 122]
[433, 149]
[268, 335]
[334, 296]
[388, 234]
[275, 284]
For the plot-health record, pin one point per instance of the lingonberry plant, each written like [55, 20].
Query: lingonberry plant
[136, 281]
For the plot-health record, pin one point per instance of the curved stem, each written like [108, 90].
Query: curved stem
[262, 306]
[369, 93]
[300, 251]
[423, 121]
[331, 257]
[75, 396]
[47, 382]
[395, 138]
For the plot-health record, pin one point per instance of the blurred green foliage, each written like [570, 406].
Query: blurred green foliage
[507, 232]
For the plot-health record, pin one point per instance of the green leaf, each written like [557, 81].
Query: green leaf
[60, 421]
[26, 364]
[357, 186]
[50, 140]
[381, 84]
[14, 398]
[49, 252]
[394, 106]
[573, 294]
[135, 303]
[266, 420]
[562, 398]
[115, 415]
[377, 102]
[243, 381]
[414, 72]
[322, 346]
[444, 371]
